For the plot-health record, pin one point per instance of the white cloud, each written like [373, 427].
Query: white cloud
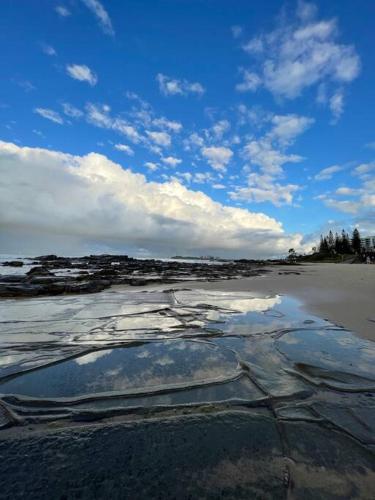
[253, 46]
[299, 54]
[48, 49]
[217, 156]
[126, 129]
[220, 128]
[151, 166]
[347, 206]
[193, 141]
[270, 160]
[82, 73]
[361, 198]
[183, 176]
[118, 209]
[336, 105]
[364, 168]
[202, 177]
[125, 149]
[287, 127]
[101, 14]
[251, 82]
[269, 154]
[173, 86]
[49, 114]
[171, 161]
[62, 11]
[368, 199]
[255, 116]
[26, 85]
[72, 111]
[306, 11]
[168, 124]
[160, 138]
[262, 188]
[218, 186]
[236, 31]
[99, 115]
[346, 191]
[38, 132]
[327, 173]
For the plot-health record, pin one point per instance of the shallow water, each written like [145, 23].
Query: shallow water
[119, 352]
[123, 344]
[14, 270]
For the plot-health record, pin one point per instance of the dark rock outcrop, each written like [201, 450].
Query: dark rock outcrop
[13, 263]
[53, 275]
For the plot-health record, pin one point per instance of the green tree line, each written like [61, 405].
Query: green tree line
[341, 243]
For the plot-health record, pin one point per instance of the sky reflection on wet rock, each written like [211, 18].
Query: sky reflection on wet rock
[118, 350]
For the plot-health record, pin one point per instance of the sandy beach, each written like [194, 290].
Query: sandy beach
[341, 293]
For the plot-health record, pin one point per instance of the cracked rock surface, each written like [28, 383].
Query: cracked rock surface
[182, 394]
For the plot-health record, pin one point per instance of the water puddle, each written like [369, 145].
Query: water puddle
[119, 348]
[145, 369]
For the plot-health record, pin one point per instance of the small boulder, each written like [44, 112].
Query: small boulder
[13, 263]
[39, 271]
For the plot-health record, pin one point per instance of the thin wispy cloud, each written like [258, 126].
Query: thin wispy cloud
[71, 111]
[364, 168]
[250, 81]
[48, 49]
[124, 148]
[172, 86]
[62, 11]
[168, 124]
[50, 115]
[82, 73]
[236, 31]
[99, 116]
[101, 15]
[25, 85]
[336, 105]
[327, 173]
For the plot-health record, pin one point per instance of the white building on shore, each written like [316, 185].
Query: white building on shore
[368, 243]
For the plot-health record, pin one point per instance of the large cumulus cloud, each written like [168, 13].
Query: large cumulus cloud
[53, 201]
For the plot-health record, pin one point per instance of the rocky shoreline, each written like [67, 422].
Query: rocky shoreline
[53, 275]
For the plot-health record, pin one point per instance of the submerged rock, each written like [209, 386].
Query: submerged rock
[13, 263]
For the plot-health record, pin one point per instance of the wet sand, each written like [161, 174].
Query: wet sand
[341, 293]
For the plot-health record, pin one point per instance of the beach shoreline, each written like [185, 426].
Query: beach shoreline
[342, 293]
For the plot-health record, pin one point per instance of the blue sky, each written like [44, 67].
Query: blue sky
[262, 106]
